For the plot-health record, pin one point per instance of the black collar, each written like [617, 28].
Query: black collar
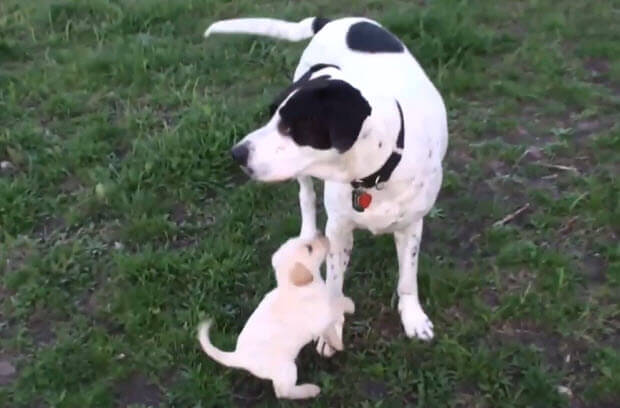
[385, 172]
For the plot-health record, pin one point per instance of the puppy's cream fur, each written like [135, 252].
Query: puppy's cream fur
[296, 312]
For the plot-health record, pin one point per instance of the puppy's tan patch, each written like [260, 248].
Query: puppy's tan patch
[300, 275]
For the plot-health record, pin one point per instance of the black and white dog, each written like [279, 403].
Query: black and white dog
[363, 116]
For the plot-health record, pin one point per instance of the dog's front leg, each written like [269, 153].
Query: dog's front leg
[340, 235]
[415, 321]
[307, 203]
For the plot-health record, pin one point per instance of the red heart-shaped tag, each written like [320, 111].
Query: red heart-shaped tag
[361, 200]
[364, 200]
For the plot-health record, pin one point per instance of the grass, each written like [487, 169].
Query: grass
[123, 221]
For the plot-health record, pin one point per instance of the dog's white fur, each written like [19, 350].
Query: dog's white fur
[400, 205]
[297, 311]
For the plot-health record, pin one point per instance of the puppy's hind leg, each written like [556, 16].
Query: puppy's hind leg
[284, 383]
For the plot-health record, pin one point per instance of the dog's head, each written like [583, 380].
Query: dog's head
[298, 260]
[313, 122]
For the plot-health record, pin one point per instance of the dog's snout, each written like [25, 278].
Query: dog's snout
[240, 154]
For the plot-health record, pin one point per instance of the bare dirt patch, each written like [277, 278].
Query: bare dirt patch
[49, 226]
[248, 391]
[40, 327]
[70, 185]
[8, 372]
[374, 389]
[137, 389]
[183, 241]
[597, 66]
[559, 352]
[388, 324]
[93, 301]
[179, 213]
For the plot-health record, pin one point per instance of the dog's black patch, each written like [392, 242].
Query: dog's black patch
[318, 23]
[325, 114]
[295, 85]
[368, 37]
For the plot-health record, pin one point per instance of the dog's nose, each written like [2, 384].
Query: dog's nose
[240, 154]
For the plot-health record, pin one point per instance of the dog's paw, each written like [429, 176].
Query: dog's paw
[415, 321]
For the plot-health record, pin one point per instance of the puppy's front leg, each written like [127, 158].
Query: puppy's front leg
[332, 338]
[415, 321]
[339, 306]
[307, 204]
[340, 235]
[346, 305]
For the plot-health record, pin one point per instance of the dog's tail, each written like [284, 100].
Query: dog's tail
[223, 357]
[269, 27]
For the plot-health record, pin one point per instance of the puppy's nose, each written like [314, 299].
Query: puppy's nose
[324, 241]
[240, 154]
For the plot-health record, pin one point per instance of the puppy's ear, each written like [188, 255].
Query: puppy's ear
[345, 110]
[300, 275]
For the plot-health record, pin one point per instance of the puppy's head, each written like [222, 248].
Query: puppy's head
[313, 122]
[297, 261]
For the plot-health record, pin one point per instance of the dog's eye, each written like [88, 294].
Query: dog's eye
[284, 129]
[309, 247]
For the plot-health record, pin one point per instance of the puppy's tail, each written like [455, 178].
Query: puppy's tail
[269, 27]
[223, 357]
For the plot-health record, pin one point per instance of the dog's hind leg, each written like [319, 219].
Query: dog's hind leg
[284, 384]
[307, 203]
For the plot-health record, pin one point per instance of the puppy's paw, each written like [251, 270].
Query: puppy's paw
[347, 305]
[296, 392]
[309, 390]
[415, 321]
[324, 349]
[331, 340]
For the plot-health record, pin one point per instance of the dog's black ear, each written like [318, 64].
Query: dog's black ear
[325, 114]
[345, 111]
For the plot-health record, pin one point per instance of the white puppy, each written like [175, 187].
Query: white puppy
[296, 312]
